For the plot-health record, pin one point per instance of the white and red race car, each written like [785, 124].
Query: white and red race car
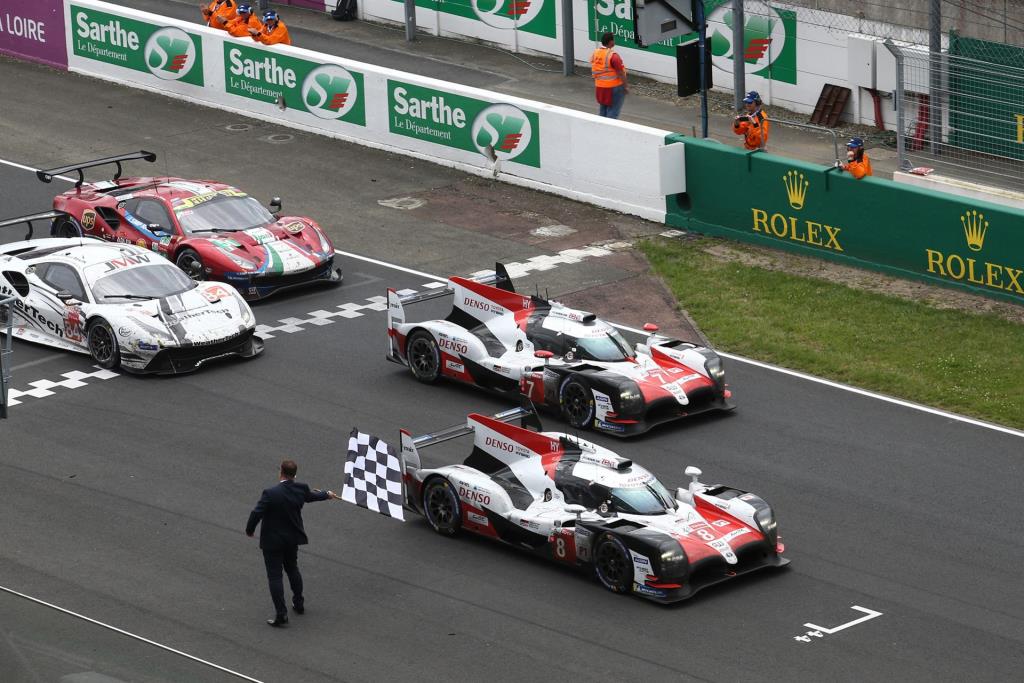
[582, 505]
[586, 370]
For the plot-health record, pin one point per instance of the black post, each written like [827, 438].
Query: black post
[702, 36]
[410, 20]
[739, 48]
[568, 48]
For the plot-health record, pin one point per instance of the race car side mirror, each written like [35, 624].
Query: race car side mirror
[575, 510]
[275, 205]
[694, 473]
[650, 327]
[543, 355]
[65, 296]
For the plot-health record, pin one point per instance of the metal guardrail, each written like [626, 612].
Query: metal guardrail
[817, 129]
[6, 325]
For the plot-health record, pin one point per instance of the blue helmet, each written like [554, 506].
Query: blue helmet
[752, 98]
[244, 9]
[270, 15]
[855, 143]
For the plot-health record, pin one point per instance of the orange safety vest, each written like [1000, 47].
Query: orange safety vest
[859, 169]
[278, 35]
[754, 136]
[601, 68]
[226, 10]
[239, 27]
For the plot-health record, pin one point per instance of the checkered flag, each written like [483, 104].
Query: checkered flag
[373, 476]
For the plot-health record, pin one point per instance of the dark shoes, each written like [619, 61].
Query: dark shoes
[279, 620]
[299, 609]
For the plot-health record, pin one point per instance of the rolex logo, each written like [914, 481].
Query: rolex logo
[975, 226]
[796, 188]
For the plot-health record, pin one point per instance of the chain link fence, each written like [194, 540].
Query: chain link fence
[6, 322]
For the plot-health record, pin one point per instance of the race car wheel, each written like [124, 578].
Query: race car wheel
[441, 507]
[62, 227]
[577, 403]
[424, 356]
[612, 564]
[103, 345]
[190, 262]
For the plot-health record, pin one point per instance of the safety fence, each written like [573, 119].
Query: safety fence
[874, 223]
[963, 111]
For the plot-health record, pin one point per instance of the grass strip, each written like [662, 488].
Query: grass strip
[967, 363]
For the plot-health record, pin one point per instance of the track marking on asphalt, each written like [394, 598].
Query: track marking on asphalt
[550, 262]
[130, 635]
[820, 631]
[42, 388]
[23, 167]
[322, 317]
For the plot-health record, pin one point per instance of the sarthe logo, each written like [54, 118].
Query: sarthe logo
[170, 54]
[796, 188]
[507, 13]
[770, 36]
[502, 128]
[975, 227]
[329, 92]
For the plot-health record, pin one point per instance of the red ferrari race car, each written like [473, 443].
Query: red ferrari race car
[212, 231]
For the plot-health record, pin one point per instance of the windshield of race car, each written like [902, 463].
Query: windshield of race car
[152, 282]
[650, 499]
[608, 347]
[223, 213]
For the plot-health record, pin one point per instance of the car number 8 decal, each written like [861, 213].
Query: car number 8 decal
[705, 534]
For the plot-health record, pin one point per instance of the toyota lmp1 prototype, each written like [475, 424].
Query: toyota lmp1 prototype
[563, 359]
[212, 231]
[579, 504]
[123, 305]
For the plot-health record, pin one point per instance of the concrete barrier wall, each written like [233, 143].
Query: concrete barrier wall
[904, 230]
[963, 188]
[514, 140]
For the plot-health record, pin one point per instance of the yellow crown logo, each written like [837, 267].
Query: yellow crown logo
[796, 188]
[975, 227]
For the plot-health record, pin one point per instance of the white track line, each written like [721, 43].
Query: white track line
[130, 635]
[33, 170]
[741, 359]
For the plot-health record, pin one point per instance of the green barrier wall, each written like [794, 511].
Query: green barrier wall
[873, 223]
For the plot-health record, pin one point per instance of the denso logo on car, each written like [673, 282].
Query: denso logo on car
[475, 496]
[502, 445]
[453, 345]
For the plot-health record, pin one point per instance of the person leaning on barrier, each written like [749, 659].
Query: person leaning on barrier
[218, 13]
[274, 31]
[857, 163]
[752, 124]
[246, 19]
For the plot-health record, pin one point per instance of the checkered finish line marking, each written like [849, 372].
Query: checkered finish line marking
[550, 262]
[44, 387]
[322, 317]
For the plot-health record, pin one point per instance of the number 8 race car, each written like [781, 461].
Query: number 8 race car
[493, 336]
[582, 505]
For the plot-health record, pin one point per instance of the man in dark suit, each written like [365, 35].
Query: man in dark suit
[280, 510]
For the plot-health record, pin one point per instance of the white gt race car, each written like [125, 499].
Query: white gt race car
[125, 306]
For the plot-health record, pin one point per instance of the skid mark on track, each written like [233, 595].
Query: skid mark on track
[43, 388]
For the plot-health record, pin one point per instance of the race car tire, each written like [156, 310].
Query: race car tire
[192, 263]
[103, 345]
[613, 565]
[441, 507]
[424, 356]
[62, 227]
[577, 403]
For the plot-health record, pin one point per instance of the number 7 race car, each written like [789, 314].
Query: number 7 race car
[124, 305]
[493, 336]
[582, 505]
[212, 231]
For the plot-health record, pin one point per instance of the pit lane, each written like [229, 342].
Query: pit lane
[125, 498]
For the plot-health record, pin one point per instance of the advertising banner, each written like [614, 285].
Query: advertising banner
[34, 30]
[818, 211]
[167, 52]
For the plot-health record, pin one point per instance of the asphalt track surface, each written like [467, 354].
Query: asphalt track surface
[125, 499]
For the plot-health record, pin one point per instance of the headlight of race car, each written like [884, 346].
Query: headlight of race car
[242, 263]
[246, 314]
[765, 519]
[324, 244]
[673, 563]
[715, 369]
[631, 400]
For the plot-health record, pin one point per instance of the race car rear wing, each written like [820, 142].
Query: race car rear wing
[45, 215]
[499, 278]
[526, 414]
[49, 174]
